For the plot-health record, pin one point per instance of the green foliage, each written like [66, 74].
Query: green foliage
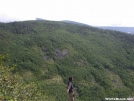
[48, 52]
[14, 88]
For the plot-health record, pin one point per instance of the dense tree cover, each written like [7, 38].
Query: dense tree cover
[47, 52]
[14, 88]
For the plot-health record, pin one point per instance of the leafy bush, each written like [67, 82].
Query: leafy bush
[13, 87]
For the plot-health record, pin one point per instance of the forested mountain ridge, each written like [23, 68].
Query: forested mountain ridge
[48, 52]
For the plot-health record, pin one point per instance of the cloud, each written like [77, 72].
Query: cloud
[6, 18]
[92, 12]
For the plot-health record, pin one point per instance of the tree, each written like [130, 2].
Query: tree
[14, 88]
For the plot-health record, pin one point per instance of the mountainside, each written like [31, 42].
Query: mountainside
[129, 30]
[48, 52]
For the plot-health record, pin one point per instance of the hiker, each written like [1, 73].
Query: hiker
[70, 89]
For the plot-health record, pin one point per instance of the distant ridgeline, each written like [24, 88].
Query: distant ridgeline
[39, 19]
[48, 52]
[129, 30]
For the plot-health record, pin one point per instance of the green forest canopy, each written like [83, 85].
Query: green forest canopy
[48, 52]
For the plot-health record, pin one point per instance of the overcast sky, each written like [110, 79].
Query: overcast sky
[92, 12]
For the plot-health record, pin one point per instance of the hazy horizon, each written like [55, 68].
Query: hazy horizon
[91, 12]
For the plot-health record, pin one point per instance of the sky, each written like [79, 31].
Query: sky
[92, 12]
